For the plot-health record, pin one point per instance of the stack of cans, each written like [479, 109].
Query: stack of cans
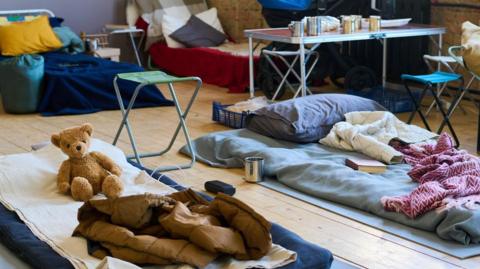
[353, 23]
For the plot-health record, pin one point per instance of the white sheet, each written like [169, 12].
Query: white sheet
[28, 187]
[371, 132]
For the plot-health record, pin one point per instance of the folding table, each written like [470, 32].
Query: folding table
[283, 35]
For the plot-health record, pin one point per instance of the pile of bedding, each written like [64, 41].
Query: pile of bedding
[320, 171]
[31, 194]
[66, 81]
[186, 38]
[436, 189]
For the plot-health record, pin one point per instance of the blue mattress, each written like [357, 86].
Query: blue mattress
[15, 235]
[80, 84]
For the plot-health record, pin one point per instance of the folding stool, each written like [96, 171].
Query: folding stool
[153, 78]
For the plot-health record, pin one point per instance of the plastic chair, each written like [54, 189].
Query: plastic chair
[149, 78]
[429, 81]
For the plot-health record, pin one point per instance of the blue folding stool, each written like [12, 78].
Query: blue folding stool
[429, 81]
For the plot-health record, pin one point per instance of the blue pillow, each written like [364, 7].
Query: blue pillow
[55, 21]
[307, 119]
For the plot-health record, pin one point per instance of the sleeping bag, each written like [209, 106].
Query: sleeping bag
[20, 83]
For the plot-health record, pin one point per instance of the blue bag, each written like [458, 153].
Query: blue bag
[286, 4]
[20, 83]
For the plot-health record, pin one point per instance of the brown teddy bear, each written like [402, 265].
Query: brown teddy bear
[85, 173]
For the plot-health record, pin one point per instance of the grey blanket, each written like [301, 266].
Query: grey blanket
[320, 171]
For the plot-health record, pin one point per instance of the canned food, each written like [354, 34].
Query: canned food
[348, 25]
[358, 22]
[314, 26]
[375, 23]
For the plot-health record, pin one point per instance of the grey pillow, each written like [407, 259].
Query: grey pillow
[307, 119]
[197, 33]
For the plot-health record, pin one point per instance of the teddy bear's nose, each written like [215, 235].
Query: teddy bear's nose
[79, 147]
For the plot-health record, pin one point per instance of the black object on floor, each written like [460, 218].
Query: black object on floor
[216, 186]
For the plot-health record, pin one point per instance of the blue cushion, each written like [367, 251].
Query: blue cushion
[307, 119]
[55, 21]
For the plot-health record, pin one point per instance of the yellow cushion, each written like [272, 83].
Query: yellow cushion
[28, 37]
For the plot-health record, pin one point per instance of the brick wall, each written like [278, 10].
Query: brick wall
[453, 16]
[238, 15]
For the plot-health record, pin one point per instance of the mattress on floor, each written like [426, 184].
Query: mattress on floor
[226, 66]
[15, 235]
[80, 83]
[320, 171]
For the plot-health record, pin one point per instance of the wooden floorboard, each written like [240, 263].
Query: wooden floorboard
[349, 240]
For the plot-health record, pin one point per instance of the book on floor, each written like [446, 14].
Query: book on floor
[366, 165]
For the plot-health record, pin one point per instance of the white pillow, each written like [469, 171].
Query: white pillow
[171, 24]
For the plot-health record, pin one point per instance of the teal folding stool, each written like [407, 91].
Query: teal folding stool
[429, 80]
[153, 78]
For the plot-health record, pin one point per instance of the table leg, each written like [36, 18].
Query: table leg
[303, 76]
[440, 47]
[250, 67]
[384, 63]
[135, 49]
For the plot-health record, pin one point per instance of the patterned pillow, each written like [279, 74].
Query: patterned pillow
[152, 12]
[14, 19]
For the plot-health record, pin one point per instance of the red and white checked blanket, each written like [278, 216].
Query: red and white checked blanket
[444, 173]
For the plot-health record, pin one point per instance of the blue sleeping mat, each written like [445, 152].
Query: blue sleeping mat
[80, 84]
[15, 235]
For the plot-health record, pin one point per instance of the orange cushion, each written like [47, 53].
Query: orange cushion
[28, 37]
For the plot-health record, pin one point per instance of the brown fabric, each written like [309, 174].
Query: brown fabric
[471, 45]
[177, 228]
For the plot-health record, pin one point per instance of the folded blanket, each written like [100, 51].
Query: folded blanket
[443, 173]
[371, 132]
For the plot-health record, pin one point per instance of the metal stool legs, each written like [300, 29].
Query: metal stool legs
[291, 68]
[182, 115]
[445, 114]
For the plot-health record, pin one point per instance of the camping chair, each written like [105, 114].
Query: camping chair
[455, 52]
[451, 65]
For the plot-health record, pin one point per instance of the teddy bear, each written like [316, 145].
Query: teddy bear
[84, 174]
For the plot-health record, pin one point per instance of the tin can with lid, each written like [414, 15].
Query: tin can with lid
[375, 23]
[348, 25]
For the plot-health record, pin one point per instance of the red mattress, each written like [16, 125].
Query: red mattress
[211, 65]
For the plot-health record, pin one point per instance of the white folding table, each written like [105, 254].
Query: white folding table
[283, 35]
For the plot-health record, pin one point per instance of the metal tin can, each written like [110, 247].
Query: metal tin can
[296, 28]
[358, 21]
[375, 23]
[91, 44]
[254, 169]
[348, 25]
[314, 26]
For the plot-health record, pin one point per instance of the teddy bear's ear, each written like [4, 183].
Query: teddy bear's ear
[88, 128]
[55, 140]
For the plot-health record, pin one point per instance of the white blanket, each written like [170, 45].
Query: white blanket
[371, 132]
[28, 187]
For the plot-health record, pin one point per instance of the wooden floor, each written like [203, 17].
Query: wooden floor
[356, 243]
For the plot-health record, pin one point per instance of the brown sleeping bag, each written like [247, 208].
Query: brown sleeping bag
[178, 228]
